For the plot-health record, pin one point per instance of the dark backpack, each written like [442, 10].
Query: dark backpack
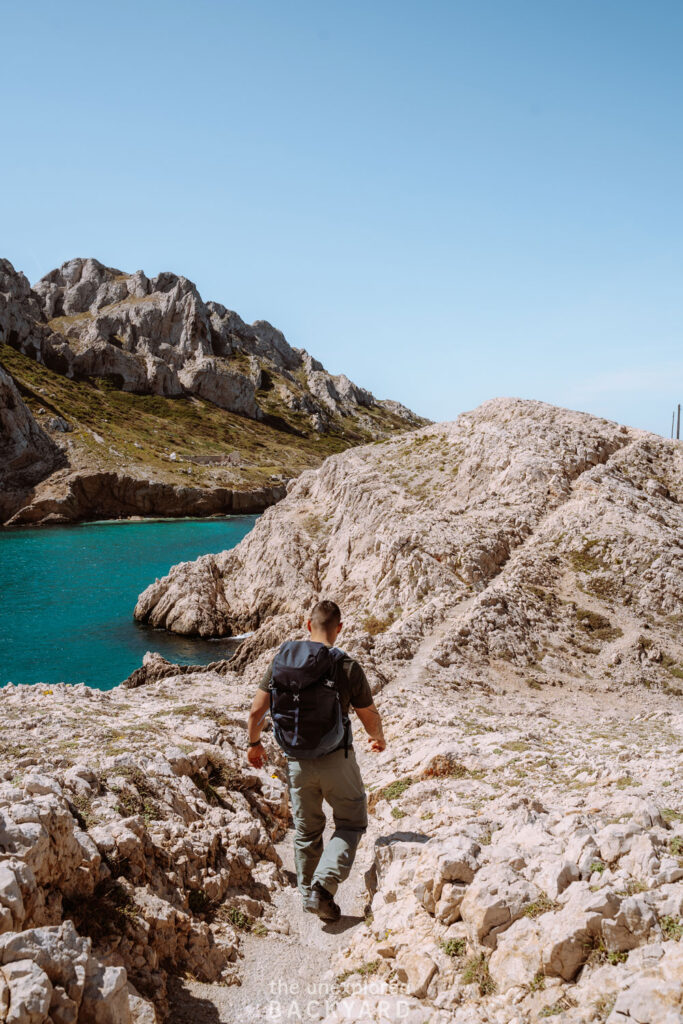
[304, 700]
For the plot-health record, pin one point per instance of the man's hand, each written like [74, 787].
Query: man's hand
[256, 756]
[372, 723]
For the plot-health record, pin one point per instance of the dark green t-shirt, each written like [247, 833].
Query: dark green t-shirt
[353, 687]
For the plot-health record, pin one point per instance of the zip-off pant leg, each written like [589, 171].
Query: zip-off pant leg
[337, 779]
[343, 789]
[309, 820]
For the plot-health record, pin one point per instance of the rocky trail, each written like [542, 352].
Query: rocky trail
[495, 777]
[285, 975]
[524, 857]
[288, 974]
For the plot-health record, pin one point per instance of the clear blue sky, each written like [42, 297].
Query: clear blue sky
[446, 200]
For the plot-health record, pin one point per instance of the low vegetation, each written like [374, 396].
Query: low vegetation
[476, 972]
[141, 431]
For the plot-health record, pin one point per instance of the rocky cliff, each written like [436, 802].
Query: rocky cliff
[140, 381]
[27, 452]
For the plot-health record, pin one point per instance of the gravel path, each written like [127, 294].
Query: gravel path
[285, 977]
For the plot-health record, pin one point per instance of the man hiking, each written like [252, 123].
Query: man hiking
[309, 689]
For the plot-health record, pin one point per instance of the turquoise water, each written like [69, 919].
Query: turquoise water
[67, 595]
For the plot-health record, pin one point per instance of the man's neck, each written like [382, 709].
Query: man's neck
[321, 638]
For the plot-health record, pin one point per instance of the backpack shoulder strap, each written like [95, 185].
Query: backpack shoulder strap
[339, 657]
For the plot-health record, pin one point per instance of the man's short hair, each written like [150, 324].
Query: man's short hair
[326, 615]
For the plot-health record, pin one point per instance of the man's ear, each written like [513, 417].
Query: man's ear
[339, 628]
[308, 625]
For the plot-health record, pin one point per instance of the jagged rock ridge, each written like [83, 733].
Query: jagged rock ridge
[115, 333]
[157, 336]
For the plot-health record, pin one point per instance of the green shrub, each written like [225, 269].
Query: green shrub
[395, 789]
[672, 927]
[239, 919]
[453, 947]
[476, 972]
[540, 906]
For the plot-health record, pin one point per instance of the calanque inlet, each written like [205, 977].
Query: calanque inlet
[512, 582]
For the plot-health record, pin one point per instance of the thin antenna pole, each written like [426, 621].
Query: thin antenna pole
[678, 423]
[673, 417]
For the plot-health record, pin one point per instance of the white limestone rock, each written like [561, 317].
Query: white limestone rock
[28, 992]
[495, 899]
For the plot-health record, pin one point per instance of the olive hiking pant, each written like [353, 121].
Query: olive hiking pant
[337, 780]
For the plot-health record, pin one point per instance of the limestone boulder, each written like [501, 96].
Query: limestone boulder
[566, 939]
[630, 927]
[493, 901]
[105, 996]
[393, 863]
[28, 992]
[226, 388]
[444, 861]
[554, 876]
[518, 955]
[655, 994]
[416, 969]
[614, 841]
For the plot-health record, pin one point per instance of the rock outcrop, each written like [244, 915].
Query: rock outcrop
[86, 335]
[140, 849]
[27, 453]
[507, 537]
[524, 857]
[158, 336]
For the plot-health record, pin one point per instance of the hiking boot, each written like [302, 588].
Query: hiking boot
[320, 902]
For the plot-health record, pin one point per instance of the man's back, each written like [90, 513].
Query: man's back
[300, 664]
[308, 683]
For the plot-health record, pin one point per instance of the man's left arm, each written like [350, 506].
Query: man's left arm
[256, 754]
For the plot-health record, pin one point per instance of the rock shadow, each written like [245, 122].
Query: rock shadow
[186, 1008]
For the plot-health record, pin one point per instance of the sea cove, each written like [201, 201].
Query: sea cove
[67, 596]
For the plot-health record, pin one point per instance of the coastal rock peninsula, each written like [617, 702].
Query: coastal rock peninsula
[507, 537]
[161, 403]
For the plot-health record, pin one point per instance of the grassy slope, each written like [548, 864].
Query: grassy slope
[140, 431]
